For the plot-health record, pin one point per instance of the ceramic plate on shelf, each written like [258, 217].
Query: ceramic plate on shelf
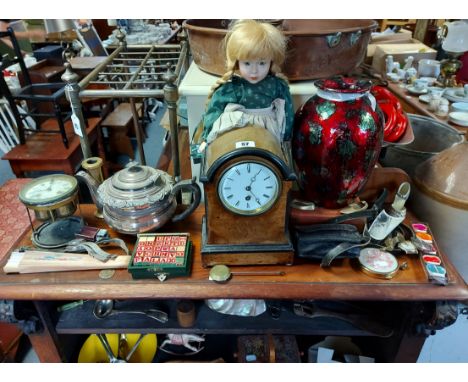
[413, 90]
[430, 80]
[436, 89]
[455, 95]
[460, 106]
[425, 98]
[459, 118]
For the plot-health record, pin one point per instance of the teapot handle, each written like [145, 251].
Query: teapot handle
[196, 192]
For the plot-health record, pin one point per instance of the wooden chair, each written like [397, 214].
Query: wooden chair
[117, 124]
[35, 95]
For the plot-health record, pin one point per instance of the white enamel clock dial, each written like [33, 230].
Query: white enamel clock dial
[248, 188]
[48, 189]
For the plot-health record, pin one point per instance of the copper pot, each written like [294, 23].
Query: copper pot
[316, 48]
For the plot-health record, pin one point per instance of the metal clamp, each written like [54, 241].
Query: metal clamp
[354, 37]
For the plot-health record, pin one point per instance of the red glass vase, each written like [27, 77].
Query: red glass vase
[336, 142]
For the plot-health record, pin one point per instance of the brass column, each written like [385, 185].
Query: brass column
[72, 91]
[171, 95]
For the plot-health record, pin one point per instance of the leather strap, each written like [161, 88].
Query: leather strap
[93, 249]
[343, 247]
[370, 213]
[96, 252]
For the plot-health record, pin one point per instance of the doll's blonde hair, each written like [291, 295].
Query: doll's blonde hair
[250, 40]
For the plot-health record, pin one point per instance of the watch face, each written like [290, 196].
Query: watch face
[48, 189]
[248, 188]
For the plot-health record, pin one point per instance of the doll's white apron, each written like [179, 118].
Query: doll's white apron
[236, 116]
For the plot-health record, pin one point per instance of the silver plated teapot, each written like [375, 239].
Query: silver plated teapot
[139, 198]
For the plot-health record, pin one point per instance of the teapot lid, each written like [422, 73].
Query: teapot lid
[137, 177]
[445, 176]
[136, 185]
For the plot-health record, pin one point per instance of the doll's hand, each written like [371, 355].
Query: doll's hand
[202, 147]
[196, 151]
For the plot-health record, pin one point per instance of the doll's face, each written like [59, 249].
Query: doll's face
[254, 70]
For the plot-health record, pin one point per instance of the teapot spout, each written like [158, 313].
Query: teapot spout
[93, 186]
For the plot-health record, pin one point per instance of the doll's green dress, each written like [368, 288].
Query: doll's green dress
[238, 102]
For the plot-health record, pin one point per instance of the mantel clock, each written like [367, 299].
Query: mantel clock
[247, 175]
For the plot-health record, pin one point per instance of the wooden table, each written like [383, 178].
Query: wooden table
[84, 65]
[408, 291]
[412, 104]
[43, 72]
[46, 152]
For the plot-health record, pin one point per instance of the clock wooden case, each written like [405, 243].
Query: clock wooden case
[247, 176]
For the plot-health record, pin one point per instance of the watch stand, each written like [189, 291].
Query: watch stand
[54, 200]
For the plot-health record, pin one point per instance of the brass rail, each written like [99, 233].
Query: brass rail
[146, 72]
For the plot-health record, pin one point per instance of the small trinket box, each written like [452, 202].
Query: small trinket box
[161, 255]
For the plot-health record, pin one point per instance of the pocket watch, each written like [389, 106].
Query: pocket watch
[378, 263]
[249, 188]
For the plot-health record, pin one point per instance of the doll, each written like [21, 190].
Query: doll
[253, 91]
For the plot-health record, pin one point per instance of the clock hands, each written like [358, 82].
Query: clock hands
[34, 193]
[249, 187]
[255, 197]
[254, 177]
[50, 185]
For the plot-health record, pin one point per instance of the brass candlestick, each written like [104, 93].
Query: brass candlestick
[448, 69]
[93, 166]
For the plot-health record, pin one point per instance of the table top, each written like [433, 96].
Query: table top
[86, 63]
[43, 67]
[421, 107]
[303, 280]
[45, 147]
[167, 40]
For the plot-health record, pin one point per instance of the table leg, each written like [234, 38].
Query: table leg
[410, 347]
[426, 319]
[17, 170]
[46, 343]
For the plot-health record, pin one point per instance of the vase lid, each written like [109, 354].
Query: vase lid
[445, 176]
[344, 85]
